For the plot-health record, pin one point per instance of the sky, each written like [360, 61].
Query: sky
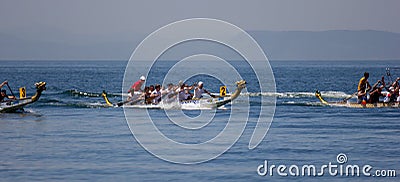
[86, 22]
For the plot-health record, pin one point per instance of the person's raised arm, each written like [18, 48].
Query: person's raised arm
[2, 84]
[376, 84]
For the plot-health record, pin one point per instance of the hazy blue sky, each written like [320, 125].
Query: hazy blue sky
[113, 16]
[83, 22]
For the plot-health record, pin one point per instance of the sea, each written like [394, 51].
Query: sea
[70, 134]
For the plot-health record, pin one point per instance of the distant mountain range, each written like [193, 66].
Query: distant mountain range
[330, 45]
[278, 45]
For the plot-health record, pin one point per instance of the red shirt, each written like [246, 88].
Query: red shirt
[136, 86]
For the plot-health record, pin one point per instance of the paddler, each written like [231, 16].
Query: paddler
[148, 98]
[3, 93]
[376, 92]
[169, 94]
[362, 89]
[397, 90]
[156, 94]
[4, 83]
[137, 86]
[184, 92]
[199, 90]
[394, 91]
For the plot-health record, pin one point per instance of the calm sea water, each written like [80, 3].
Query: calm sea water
[70, 136]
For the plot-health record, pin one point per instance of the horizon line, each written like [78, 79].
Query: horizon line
[57, 60]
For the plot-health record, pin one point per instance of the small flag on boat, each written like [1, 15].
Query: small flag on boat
[22, 93]
[222, 91]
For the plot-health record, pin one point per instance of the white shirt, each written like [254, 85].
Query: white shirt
[198, 93]
[398, 97]
[182, 95]
[156, 99]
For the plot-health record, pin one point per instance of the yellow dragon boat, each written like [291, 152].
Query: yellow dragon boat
[354, 104]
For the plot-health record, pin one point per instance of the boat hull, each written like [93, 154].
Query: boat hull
[200, 104]
[18, 104]
[356, 105]
[14, 106]
[368, 105]
[172, 103]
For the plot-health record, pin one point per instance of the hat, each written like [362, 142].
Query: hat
[143, 78]
[200, 83]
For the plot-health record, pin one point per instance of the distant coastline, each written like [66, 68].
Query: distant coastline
[278, 45]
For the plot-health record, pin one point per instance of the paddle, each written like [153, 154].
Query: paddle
[351, 96]
[10, 90]
[214, 96]
[119, 104]
[388, 74]
[218, 96]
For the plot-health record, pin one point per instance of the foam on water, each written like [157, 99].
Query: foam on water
[327, 94]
